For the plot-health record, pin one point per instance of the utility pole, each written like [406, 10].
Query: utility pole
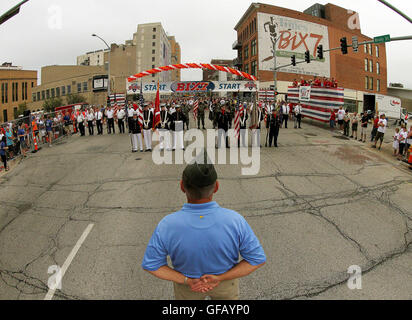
[108, 47]
[12, 12]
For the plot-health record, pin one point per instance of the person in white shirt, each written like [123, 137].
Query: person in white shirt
[285, 114]
[98, 115]
[403, 134]
[341, 116]
[130, 112]
[80, 121]
[382, 124]
[121, 114]
[396, 142]
[147, 127]
[90, 121]
[110, 120]
[298, 116]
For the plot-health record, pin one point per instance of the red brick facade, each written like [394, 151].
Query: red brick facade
[349, 70]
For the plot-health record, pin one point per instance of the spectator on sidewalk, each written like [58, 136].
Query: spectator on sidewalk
[9, 141]
[355, 123]
[375, 128]
[396, 142]
[332, 120]
[3, 148]
[380, 135]
[364, 127]
[341, 116]
[49, 130]
[346, 124]
[21, 133]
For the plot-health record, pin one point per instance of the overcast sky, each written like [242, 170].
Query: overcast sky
[204, 29]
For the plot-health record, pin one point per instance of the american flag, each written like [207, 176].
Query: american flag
[238, 115]
[141, 105]
[157, 119]
[196, 109]
[118, 99]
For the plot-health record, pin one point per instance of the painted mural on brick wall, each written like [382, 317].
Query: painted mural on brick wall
[295, 38]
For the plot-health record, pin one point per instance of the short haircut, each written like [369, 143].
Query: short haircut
[198, 193]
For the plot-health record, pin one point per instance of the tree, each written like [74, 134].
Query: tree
[21, 109]
[51, 104]
[75, 98]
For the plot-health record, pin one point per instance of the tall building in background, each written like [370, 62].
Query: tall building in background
[94, 58]
[176, 58]
[16, 87]
[153, 50]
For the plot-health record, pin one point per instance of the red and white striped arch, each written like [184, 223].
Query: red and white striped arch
[192, 66]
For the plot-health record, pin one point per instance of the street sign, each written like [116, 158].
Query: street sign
[355, 44]
[382, 39]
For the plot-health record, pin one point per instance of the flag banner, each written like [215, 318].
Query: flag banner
[118, 98]
[196, 109]
[321, 101]
[157, 117]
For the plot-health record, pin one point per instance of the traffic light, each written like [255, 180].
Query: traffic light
[344, 45]
[320, 52]
[294, 61]
[307, 56]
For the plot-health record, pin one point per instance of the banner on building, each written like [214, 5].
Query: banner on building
[304, 93]
[192, 87]
[295, 38]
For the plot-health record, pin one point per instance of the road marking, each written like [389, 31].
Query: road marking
[51, 292]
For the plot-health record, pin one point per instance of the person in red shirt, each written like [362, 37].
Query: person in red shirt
[375, 127]
[332, 119]
[295, 83]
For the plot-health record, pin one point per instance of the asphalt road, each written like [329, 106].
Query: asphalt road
[319, 205]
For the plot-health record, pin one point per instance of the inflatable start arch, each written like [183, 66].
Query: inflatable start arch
[192, 66]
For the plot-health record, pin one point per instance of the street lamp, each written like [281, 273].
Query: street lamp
[12, 12]
[108, 85]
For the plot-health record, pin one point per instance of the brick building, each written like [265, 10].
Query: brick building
[362, 74]
[16, 87]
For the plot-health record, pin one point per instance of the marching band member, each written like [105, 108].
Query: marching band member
[136, 133]
[178, 120]
[99, 118]
[90, 118]
[110, 119]
[147, 127]
[121, 114]
[164, 129]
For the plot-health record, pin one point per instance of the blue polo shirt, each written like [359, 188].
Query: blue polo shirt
[203, 239]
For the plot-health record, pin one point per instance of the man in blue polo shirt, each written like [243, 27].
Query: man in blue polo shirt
[203, 241]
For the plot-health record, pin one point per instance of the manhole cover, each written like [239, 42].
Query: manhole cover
[342, 138]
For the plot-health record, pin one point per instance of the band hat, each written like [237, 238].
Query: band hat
[200, 173]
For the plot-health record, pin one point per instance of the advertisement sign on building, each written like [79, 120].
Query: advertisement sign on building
[304, 93]
[192, 87]
[295, 38]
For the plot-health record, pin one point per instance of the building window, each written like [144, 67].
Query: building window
[370, 49]
[366, 48]
[58, 92]
[253, 48]
[85, 87]
[153, 59]
[32, 84]
[154, 29]
[370, 66]
[69, 89]
[246, 52]
[154, 36]
[48, 94]
[3, 92]
[33, 97]
[53, 93]
[366, 83]
[79, 87]
[43, 95]
[153, 51]
[370, 83]
[15, 112]
[378, 85]
[153, 44]
[23, 84]
[254, 68]
[377, 51]
[63, 91]
[38, 96]
[366, 64]
[378, 68]
[13, 88]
